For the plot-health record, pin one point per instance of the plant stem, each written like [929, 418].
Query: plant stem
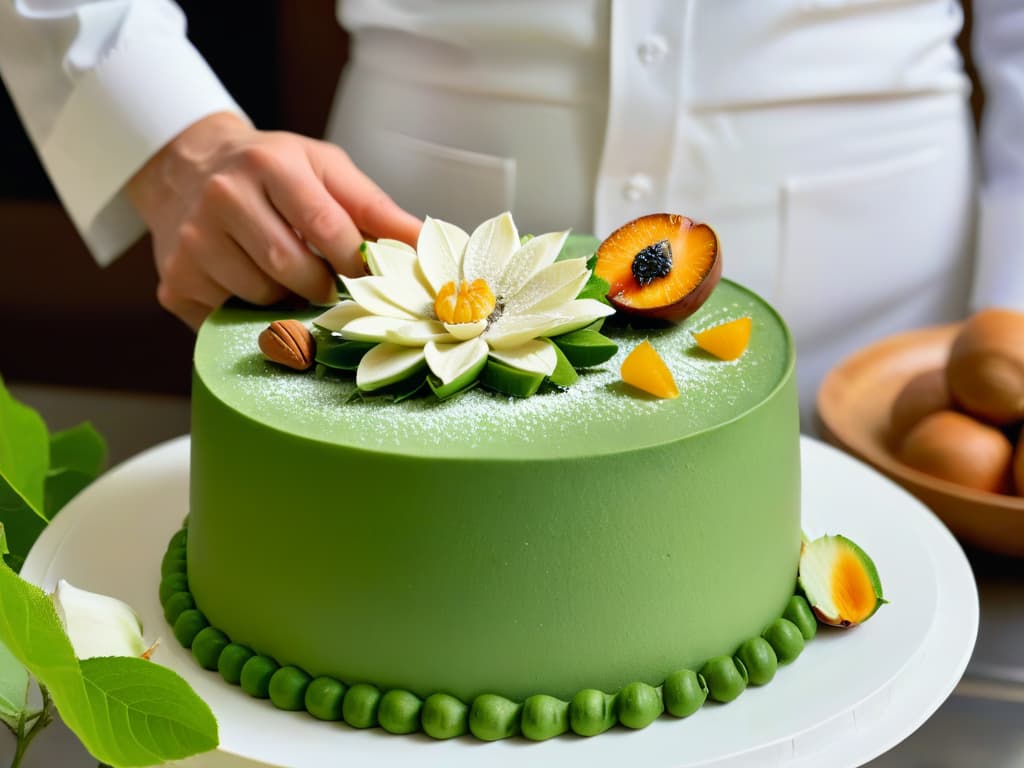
[21, 744]
[38, 720]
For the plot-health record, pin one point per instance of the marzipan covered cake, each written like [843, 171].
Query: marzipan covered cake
[508, 486]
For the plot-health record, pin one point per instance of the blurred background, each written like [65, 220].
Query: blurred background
[85, 326]
[90, 343]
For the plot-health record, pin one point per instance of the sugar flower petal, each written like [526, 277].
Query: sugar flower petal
[391, 296]
[98, 625]
[440, 248]
[338, 316]
[513, 330]
[463, 331]
[535, 356]
[386, 364]
[419, 332]
[390, 257]
[490, 248]
[538, 252]
[392, 243]
[372, 328]
[449, 361]
[550, 288]
[577, 314]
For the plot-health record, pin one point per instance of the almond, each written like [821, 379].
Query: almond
[288, 343]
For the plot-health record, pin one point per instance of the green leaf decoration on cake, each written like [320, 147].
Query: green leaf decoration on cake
[467, 309]
[586, 348]
[126, 711]
[341, 355]
[39, 472]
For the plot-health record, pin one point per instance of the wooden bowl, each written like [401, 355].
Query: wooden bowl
[854, 404]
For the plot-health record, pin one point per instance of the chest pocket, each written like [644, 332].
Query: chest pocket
[874, 248]
[749, 52]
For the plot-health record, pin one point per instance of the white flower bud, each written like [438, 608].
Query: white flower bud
[98, 625]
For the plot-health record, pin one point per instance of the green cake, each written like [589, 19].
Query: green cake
[486, 548]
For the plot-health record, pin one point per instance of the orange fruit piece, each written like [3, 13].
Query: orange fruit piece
[661, 265]
[726, 341]
[852, 591]
[644, 369]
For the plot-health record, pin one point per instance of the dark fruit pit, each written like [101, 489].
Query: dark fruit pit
[652, 262]
[660, 266]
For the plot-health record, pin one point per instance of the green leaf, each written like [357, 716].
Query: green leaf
[13, 686]
[595, 288]
[402, 389]
[101, 700]
[564, 374]
[33, 634]
[457, 385]
[511, 381]
[342, 355]
[580, 247]
[77, 456]
[24, 459]
[80, 448]
[151, 714]
[586, 347]
[62, 486]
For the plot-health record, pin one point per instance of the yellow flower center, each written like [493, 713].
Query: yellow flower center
[465, 303]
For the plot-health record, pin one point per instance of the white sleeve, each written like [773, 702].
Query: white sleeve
[998, 48]
[100, 86]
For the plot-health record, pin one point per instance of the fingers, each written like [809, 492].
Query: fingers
[300, 197]
[186, 289]
[232, 267]
[192, 313]
[251, 211]
[372, 211]
[270, 243]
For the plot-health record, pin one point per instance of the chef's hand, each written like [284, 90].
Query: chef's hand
[231, 210]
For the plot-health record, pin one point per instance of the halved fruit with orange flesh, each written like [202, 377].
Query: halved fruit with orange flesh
[840, 581]
[727, 341]
[644, 369]
[663, 265]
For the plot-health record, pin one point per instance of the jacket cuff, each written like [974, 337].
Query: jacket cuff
[142, 95]
[999, 265]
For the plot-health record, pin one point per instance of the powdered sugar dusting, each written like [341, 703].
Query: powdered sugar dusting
[598, 414]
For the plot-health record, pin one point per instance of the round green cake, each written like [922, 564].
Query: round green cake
[589, 538]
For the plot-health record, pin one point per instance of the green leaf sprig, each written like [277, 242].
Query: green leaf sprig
[40, 472]
[126, 711]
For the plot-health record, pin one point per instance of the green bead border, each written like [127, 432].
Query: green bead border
[488, 717]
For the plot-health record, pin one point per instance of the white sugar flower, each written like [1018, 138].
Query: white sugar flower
[457, 299]
[98, 625]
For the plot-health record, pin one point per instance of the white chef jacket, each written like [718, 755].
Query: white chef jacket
[828, 141]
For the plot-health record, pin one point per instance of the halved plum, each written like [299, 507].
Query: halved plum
[662, 265]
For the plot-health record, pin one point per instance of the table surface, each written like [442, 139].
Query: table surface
[978, 726]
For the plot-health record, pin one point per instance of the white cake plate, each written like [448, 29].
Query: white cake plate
[850, 696]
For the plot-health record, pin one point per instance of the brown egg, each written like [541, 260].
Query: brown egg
[1018, 466]
[960, 449]
[986, 366]
[925, 393]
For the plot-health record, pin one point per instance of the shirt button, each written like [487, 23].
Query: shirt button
[651, 50]
[637, 187]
